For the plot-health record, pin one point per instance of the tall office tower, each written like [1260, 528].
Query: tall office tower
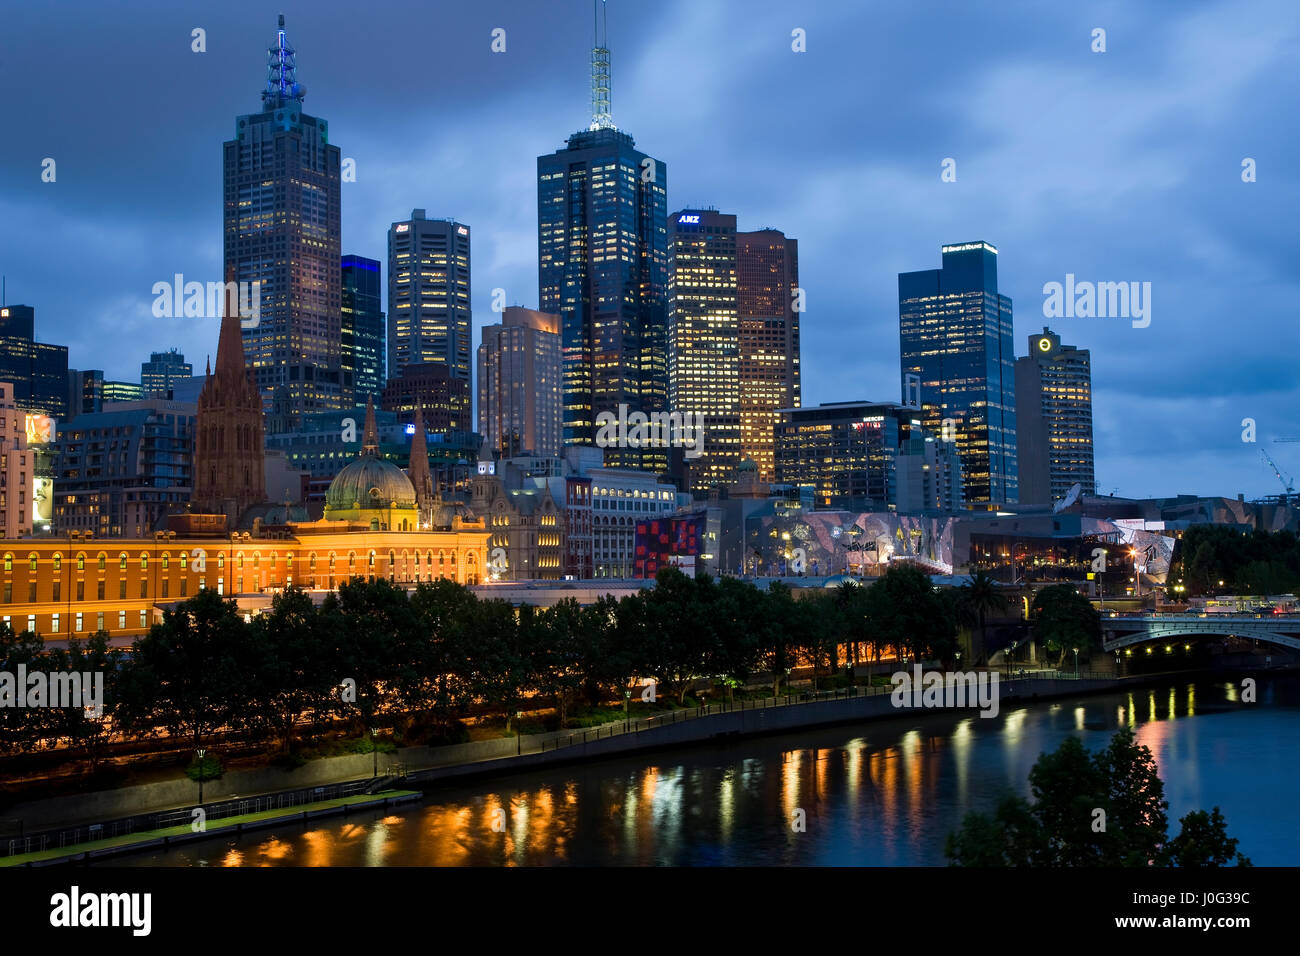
[428, 297]
[767, 283]
[1054, 419]
[519, 384]
[163, 371]
[38, 372]
[602, 238]
[704, 338]
[955, 336]
[282, 224]
[362, 339]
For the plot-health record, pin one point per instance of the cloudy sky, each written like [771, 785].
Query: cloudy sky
[1117, 166]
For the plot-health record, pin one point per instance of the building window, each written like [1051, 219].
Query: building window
[79, 622]
[185, 587]
[31, 592]
[144, 618]
[121, 620]
[144, 562]
[31, 562]
[81, 590]
[144, 588]
[9, 562]
[165, 587]
[167, 560]
[121, 561]
[101, 589]
[31, 623]
[121, 590]
[58, 563]
[58, 591]
[81, 562]
[103, 561]
[54, 624]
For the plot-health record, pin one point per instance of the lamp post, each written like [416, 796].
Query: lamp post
[627, 703]
[201, 752]
[1076, 662]
[374, 750]
[519, 731]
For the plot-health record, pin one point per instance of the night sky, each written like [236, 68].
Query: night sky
[1116, 166]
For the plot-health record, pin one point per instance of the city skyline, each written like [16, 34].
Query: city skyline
[1055, 199]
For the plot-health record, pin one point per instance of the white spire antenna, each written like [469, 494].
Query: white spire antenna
[601, 115]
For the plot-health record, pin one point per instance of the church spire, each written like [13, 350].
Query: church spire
[418, 469]
[370, 439]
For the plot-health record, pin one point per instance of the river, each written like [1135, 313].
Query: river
[882, 793]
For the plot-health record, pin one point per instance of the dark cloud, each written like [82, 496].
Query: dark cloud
[1116, 166]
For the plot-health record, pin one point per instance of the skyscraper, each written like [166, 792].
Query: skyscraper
[956, 342]
[163, 371]
[428, 297]
[362, 331]
[282, 226]
[1054, 419]
[767, 282]
[602, 267]
[704, 338]
[38, 372]
[519, 384]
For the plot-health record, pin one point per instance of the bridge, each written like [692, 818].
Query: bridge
[1129, 629]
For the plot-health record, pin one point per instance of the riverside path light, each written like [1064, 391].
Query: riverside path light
[201, 752]
[374, 750]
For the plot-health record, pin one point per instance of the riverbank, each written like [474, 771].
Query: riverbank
[186, 833]
[425, 767]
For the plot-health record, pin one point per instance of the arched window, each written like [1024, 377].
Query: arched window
[102, 560]
[9, 562]
[121, 561]
[185, 560]
[144, 562]
[31, 562]
[81, 561]
[221, 559]
[167, 560]
[239, 561]
[58, 563]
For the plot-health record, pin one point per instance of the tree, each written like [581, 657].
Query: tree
[909, 614]
[184, 675]
[1101, 809]
[675, 636]
[779, 637]
[1203, 841]
[1064, 619]
[21, 728]
[980, 597]
[291, 677]
[379, 647]
[80, 726]
[734, 609]
[560, 660]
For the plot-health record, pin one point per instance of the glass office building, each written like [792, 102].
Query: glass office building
[362, 331]
[956, 344]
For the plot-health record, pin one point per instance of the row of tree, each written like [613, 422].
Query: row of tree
[371, 652]
[1255, 562]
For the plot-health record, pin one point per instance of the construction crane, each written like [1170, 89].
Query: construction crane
[1287, 484]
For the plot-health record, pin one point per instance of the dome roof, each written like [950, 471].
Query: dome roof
[372, 483]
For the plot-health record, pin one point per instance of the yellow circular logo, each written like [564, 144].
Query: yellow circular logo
[1044, 345]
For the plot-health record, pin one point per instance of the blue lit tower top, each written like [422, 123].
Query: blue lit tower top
[282, 86]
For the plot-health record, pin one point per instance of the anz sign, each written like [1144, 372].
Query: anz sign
[689, 220]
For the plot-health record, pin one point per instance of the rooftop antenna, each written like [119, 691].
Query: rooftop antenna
[601, 115]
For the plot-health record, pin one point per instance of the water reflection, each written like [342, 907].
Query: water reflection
[885, 793]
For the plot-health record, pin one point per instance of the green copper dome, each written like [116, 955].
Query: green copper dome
[369, 483]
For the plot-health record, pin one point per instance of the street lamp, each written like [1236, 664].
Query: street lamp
[201, 752]
[374, 750]
[627, 703]
[519, 731]
[1076, 662]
